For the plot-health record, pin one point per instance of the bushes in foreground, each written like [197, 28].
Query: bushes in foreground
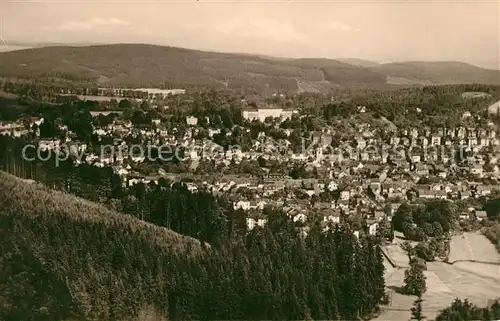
[464, 310]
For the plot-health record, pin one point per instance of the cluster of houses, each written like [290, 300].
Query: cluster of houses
[20, 127]
[367, 175]
[468, 137]
[150, 94]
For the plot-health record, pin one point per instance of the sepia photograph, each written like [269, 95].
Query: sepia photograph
[212, 160]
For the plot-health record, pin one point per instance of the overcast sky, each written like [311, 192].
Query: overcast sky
[378, 30]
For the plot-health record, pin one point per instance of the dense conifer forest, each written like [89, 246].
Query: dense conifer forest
[66, 258]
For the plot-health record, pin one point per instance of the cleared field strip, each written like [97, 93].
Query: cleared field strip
[473, 246]
[475, 281]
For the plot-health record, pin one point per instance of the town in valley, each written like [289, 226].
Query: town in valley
[145, 181]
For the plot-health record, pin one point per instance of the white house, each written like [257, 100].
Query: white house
[476, 169]
[332, 218]
[372, 227]
[481, 215]
[436, 140]
[191, 120]
[345, 195]
[332, 186]
[301, 217]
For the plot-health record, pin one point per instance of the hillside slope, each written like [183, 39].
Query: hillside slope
[150, 65]
[143, 65]
[64, 258]
[359, 62]
[437, 73]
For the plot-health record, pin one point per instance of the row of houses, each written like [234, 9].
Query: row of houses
[19, 128]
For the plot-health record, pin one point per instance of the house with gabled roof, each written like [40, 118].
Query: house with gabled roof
[481, 215]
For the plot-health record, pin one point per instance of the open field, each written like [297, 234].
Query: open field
[396, 252]
[493, 109]
[398, 255]
[473, 94]
[477, 282]
[475, 247]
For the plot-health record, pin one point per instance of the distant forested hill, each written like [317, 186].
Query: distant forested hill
[150, 65]
[437, 73]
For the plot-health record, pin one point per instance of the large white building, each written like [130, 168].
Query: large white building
[262, 113]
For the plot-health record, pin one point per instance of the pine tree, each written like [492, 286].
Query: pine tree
[415, 280]
[416, 310]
